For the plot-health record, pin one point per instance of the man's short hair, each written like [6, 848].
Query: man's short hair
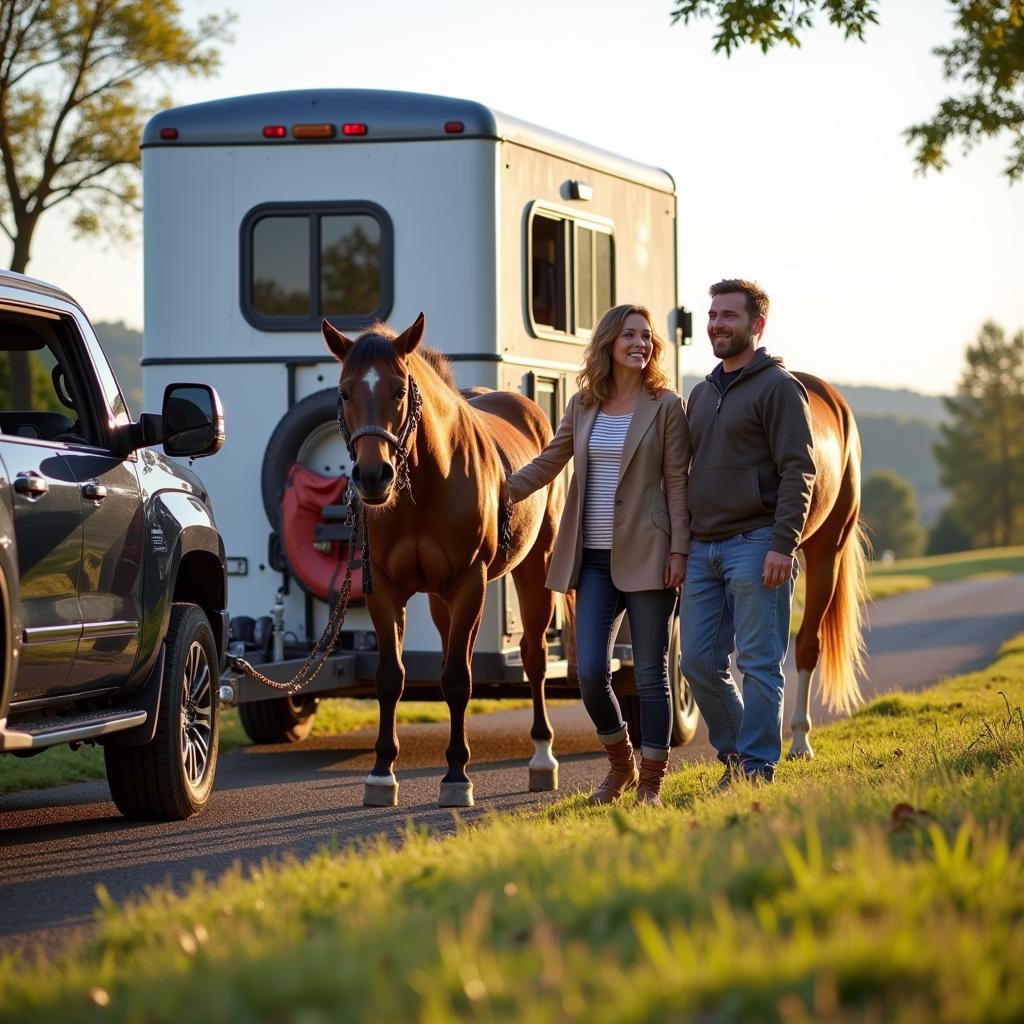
[757, 297]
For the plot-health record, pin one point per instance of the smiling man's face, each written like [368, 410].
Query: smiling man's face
[730, 327]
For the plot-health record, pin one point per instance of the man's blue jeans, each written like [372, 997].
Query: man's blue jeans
[599, 608]
[725, 606]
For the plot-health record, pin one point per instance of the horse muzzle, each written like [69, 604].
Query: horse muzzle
[374, 484]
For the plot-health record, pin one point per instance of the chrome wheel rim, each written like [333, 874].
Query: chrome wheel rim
[196, 714]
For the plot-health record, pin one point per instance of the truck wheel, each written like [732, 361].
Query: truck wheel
[171, 778]
[282, 720]
[308, 433]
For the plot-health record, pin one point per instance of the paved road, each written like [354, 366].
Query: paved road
[57, 845]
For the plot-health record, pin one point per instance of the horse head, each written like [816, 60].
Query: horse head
[375, 403]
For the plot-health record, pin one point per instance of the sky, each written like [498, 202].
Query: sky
[790, 167]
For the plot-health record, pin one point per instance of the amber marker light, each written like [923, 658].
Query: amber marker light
[353, 129]
[313, 131]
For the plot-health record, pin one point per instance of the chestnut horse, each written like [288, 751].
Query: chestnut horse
[410, 430]
[834, 550]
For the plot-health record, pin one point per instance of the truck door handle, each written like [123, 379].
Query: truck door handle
[31, 484]
[94, 490]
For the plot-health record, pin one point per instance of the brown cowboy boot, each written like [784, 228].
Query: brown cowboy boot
[652, 774]
[622, 774]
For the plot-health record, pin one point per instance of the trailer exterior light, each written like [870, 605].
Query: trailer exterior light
[313, 131]
[275, 131]
[168, 133]
[454, 127]
[353, 129]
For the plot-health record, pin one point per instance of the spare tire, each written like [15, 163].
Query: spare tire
[308, 434]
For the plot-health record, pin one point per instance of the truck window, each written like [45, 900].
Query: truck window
[304, 262]
[571, 272]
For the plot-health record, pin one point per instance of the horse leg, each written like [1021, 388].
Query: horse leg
[465, 609]
[537, 604]
[443, 622]
[822, 561]
[387, 610]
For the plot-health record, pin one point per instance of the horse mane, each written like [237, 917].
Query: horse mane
[374, 345]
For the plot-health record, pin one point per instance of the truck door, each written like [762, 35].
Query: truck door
[110, 584]
[47, 517]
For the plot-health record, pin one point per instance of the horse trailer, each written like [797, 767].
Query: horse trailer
[265, 214]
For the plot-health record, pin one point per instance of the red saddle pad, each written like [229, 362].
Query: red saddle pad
[305, 495]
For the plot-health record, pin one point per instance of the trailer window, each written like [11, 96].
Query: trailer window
[303, 263]
[571, 273]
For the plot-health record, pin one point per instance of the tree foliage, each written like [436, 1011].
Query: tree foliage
[981, 451]
[77, 81]
[984, 61]
[889, 507]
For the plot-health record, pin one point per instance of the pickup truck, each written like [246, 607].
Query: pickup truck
[113, 589]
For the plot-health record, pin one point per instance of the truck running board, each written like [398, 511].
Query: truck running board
[86, 725]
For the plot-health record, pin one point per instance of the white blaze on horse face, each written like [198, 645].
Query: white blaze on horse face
[372, 377]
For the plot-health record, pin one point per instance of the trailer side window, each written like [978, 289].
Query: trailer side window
[305, 262]
[570, 272]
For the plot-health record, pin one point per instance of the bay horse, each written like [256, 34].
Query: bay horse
[410, 429]
[834, 547]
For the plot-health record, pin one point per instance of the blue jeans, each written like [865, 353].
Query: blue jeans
[726, 605]
[599, 609]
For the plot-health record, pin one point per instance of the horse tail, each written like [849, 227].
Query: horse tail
[842, 628]
[567, 604]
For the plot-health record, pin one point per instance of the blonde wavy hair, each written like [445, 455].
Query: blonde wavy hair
[595, 379]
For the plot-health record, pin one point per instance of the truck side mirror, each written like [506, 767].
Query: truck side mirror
[193, 420]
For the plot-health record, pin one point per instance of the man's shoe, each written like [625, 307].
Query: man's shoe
[732, 774]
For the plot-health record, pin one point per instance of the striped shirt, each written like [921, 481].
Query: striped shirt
[604, 456]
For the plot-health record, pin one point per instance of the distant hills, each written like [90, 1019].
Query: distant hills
[897, 426]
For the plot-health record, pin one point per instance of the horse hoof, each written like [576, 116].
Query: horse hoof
[456, 794]
[804, 753]
[543, 780]
[380, 791]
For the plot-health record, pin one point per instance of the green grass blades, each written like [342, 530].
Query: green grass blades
[882, 882]
[962, 565]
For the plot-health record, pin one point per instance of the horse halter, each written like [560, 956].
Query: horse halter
[397, 441]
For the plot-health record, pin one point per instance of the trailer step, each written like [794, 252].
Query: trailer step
[84, 725]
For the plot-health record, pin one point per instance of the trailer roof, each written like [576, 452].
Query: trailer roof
[387, 117]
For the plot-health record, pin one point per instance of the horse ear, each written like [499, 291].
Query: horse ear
[410, 337]
[336, 341]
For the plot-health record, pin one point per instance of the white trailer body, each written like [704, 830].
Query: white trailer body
[264, 213]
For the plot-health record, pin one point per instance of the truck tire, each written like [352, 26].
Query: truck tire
[314, 418]
[282, 720]
[171, 778]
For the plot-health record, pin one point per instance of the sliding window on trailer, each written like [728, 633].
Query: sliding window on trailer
[304, 262]
[570, 271]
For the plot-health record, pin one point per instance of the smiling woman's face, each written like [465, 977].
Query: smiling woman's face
[633, 347]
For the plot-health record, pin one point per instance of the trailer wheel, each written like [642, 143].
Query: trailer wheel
[307, 433]
[281, 720]
[171, 778]
[685, 715]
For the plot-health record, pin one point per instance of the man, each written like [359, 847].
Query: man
[750, 489]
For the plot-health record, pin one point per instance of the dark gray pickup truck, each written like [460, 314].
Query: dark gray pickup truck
[112, 581]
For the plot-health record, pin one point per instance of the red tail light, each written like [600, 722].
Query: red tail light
[454, 127]
[168, 133]
[274, 131]
[353, 129]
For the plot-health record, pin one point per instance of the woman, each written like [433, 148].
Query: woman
[624, 533]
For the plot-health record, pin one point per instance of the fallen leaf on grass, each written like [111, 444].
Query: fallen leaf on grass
[906, 816]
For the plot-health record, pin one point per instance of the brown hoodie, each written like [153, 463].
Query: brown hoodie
[752, 454]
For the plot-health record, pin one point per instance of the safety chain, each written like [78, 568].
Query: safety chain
[308, 672]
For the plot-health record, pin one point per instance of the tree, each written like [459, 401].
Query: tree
[981, 448]
[985, 58]
[73, 98]
[947, 535]
[889, 507]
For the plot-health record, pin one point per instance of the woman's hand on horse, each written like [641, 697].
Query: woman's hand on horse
[675, 570]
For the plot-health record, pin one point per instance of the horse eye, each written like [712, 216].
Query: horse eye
[400, 393]
[344, 396]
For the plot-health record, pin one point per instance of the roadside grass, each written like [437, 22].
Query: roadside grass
[882, 881]
[958, 566]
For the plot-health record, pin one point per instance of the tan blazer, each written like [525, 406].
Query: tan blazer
[651, 516]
